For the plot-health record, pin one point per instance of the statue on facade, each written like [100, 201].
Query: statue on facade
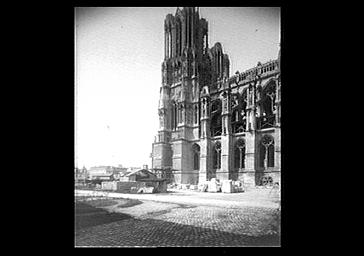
[161, 121]
[250, 96]
[225, 102]
[204, 107]
[272, 97]
[243, 114]
[184, 68]
[235, 101]
[257, 93]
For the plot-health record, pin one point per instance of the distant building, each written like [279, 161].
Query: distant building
[138, 175]
[132, 169]
[103, 176]
[103, 171]
[100, 172]
[81, 174]
[120, 170]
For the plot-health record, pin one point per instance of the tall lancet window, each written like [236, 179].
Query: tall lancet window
[196, 156]
[267, 151]
[190, 30]
[180, 38]
[169, 44]
[174, 117]
[196, 114]
[217, 155]
[240, 154]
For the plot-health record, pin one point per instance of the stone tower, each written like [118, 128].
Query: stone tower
[188, 66]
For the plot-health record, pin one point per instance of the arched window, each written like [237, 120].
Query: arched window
[217, 155]
[216, 122]
[169, 44]
[196, 156]
[218, 64]
[190, 31]
[267, 151]
[235, 116]
[267, 106]
[238, 118]
[196, 114]
[180, 113]
[179, 30]
[216, 125]
[174, 117]
[239, 158]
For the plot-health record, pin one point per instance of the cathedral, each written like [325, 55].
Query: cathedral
[211, 124]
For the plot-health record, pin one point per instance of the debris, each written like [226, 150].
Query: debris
[185, 186]
[149, 190]
[146, 190]
[214, 180]
[202, 187]
[171, 186]
[227, 186]
[193, 187]
[133, 190]
[214, 186]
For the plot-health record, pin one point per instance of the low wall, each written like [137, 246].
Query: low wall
[125, 186]
[109, 185]
[160, 186]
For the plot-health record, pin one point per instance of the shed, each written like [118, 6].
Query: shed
[145, 179]
[138, 175]
[102, 176]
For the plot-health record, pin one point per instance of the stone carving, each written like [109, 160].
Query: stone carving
[266, 142]
[161, 121]
[272, 96]
[257, 93]
[250, 97]
[235, 101]
[225, 102]
[161, 111]
[184, 68]
[204, 107]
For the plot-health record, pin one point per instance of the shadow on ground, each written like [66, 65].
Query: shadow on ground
[89, 216]
[160, 233]
[125, 203]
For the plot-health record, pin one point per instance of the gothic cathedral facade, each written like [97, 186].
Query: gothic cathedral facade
[213, 125]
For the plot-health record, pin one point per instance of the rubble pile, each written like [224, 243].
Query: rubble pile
[214, 186]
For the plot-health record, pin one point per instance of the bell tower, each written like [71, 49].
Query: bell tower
[184, 122]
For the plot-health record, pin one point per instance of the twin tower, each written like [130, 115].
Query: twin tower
[195, 137]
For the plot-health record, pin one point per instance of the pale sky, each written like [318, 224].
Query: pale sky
[118, 57]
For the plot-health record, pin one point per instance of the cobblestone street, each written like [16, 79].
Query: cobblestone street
[156, 223]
